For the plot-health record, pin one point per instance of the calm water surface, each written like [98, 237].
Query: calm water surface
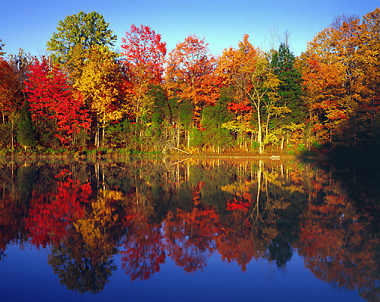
[189, 230]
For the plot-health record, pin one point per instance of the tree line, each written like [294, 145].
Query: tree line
[83, 94]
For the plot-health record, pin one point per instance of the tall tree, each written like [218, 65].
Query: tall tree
[102, 85]
[11, 96]
[86, 29]
[8, 87]
[145, 55]
[290, 90]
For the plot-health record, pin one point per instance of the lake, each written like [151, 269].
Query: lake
[186, 229]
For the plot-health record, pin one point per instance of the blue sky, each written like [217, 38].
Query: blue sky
[29, 24]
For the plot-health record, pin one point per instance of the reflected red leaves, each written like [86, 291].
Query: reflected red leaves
[51, 214]
[190, 237]
[142, 251]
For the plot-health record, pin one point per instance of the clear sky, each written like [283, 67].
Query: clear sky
[29, 24]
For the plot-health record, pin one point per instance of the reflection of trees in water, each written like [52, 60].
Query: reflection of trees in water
[142, 251]
[261, 216]
[82, 258]
[338, 241]
[188, 210]
[76, 269]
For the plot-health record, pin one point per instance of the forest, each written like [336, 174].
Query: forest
[84, 95]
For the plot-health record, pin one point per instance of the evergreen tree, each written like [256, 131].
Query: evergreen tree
[26, 131]
[290, 89]
[290, 95]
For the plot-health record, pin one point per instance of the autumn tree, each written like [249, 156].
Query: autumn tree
[7, 91]
[342, 60]
[53, 103]
[190, 74]
[248, 69]
[86, 29]
[13, 73]
[102, 86]
[144, 54]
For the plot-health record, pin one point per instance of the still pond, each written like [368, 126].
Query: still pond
[189, 230]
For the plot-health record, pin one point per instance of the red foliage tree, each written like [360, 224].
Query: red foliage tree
[145, 56]
[51, 98]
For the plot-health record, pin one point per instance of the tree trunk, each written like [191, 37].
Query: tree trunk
[259, 135]
[103, 135]
[178, 134]
[12, 137]
[97, 137]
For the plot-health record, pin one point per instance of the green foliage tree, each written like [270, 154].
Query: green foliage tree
[213, 118]
[86, 29]
[26, 131]
[290, 91]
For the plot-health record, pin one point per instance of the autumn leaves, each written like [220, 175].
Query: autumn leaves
[340, 71]
[85, 91]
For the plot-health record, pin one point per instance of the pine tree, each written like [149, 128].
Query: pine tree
[26, 131]
[290, 88]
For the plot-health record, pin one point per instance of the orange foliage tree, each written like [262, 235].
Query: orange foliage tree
[190, 75]
[340, 72]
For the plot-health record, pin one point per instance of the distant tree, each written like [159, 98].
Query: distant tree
[86, 29]
[1, 48]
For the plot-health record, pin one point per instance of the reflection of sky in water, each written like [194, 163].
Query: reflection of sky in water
[26, 275]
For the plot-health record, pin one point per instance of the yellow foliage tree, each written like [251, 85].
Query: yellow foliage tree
[102, 84]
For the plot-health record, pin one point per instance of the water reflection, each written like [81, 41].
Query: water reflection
[148, 211]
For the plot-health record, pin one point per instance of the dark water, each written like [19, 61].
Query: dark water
[189, 230]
